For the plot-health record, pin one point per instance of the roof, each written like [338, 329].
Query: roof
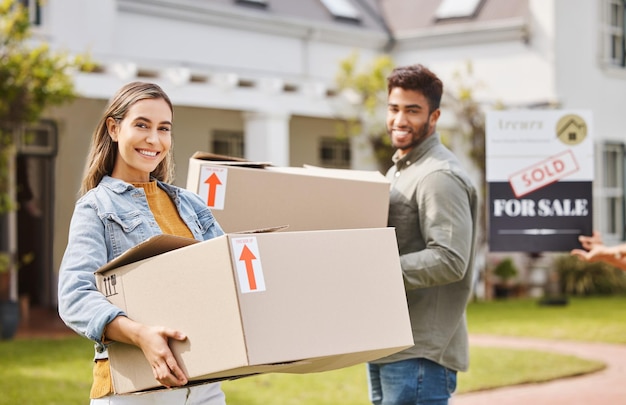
[411, 15]
[314, 11]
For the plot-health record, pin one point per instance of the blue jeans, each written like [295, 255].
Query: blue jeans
[411, 382]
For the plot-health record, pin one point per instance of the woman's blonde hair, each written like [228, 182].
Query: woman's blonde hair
[103, 150]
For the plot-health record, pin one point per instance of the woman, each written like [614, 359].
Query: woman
[125, 199]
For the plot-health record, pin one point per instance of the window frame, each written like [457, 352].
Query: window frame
[611, 190]
[44, 130]
[34, 11]
[234, 141]
[253, 3]
[342, 10]
[614, 33]
[339, 147]
[453, 9]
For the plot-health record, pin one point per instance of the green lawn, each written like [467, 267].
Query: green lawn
[584, 319]
[45, 372]
[490, 368]
[49, 372]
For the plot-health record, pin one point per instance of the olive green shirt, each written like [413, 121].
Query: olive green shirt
[433, 207]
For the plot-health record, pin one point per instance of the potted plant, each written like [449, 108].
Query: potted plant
[505, 270]
[32, 78]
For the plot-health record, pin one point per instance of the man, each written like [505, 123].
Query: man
[433, 207]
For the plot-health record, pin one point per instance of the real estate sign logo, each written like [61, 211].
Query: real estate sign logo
[571, 129]
[539, 175]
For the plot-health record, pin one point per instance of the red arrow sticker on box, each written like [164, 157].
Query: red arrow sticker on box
[212, 186]
[248, 263]
[543, 173]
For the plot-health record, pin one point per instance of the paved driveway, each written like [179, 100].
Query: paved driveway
[606, 387]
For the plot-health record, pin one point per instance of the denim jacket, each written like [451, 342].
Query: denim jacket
[107, 221]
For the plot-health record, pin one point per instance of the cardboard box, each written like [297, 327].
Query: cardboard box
[253, 195]
[294, 302]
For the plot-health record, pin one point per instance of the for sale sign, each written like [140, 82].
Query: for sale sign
[539, 176]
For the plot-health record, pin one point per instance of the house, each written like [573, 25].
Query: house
[255, 78]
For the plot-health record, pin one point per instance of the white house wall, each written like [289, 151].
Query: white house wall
[508, 72]
[78, 26]
[583, 81]
[512, 60]
[174, 42]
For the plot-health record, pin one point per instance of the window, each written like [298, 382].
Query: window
[34, 10]
[253, 3]
[335, 153]
[228, 143]
[612, 190]
[342, 9]
[38, 139]
[457, 9]
[615, 32]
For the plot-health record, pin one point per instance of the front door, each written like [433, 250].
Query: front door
[35, 197]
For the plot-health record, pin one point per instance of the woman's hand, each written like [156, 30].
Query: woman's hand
[153, 342]
[590, 242]
[594, 250]
[595, 254]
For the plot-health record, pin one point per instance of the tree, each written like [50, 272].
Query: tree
[32, 78]
[366, 90]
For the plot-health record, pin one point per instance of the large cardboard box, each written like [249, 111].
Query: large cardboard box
[253, 195]
[295, 302]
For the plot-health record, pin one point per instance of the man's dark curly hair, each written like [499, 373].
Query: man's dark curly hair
[418, 78]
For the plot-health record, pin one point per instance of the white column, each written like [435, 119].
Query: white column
[266, 137]
[12, 250]
[363, 156]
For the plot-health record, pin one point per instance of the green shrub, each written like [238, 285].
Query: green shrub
[580, 278]
[506, 269]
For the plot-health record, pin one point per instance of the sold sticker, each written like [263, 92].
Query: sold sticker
[248, 263]
[212, 187]
[544, 173]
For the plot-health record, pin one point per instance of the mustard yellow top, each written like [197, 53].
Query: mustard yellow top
[170, 222]
[164, 210]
